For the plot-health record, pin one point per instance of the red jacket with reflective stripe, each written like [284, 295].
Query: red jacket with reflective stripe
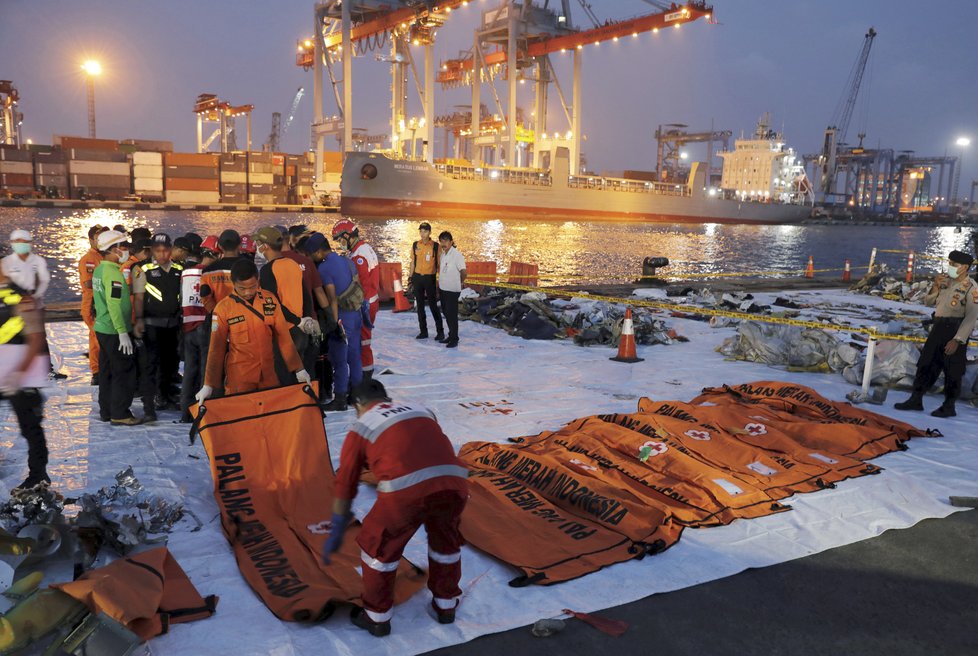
[405, 449]
[368, 270]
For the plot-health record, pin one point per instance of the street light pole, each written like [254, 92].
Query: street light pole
[92, 68]
[962, 143]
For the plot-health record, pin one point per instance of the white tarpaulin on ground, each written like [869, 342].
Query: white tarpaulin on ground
[492, 387]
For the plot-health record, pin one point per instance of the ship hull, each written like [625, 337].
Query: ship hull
[416, 190]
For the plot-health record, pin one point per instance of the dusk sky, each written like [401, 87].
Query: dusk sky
[789, 58]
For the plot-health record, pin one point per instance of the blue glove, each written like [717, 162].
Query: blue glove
[335, 539]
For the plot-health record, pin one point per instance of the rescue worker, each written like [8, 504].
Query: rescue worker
[243, 327]
[347, 234]
[451, 276]
[956, 298]
[312, 285]
[21, 343]
[113, 323]
[420, 482]
[248, 247]
[346, 299]
[86, 267]
[282, 276]
[156, 286]
[195, 329]
[215, 280]
[27, 270]
[182, 250]
[424, 266]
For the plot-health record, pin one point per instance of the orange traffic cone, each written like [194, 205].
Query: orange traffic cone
[846, 275]
[401, 304]
[910, 267]
[810, 271]
[626, 345]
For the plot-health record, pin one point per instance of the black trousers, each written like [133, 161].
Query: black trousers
[159, 361]
[28, 405]
[194, 358]
[116, 379]
[933, 362]
[449, 305]
[301, 341]
[424, 292]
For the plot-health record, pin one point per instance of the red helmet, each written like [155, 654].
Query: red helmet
[210, 244]
[247, 244]
[345, 227]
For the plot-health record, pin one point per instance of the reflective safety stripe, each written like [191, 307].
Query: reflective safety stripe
[154, 292]
[10, 329]
[406, 481]
[446, 604]
[365, 342]
[444, 559]
[376, 423]
[377, 565]
[375, 297]
[379, 617]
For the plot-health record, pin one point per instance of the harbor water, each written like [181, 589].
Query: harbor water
[566, 252]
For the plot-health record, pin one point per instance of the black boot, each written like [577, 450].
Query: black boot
[361, 620]
[915, 402]
[33, 480]
[338, 404]
[946, 410]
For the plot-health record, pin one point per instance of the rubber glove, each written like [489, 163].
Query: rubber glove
[125, 343]
[303, 376]
[310, 326]
[204, 393]
[10, 384]
[335, 539]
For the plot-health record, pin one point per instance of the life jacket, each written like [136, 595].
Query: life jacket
[194, 313]
[11, 325]
[162, 298]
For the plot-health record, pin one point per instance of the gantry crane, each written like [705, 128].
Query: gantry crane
[10, 118]
[835, 133]
[210, 109]
[278, 129]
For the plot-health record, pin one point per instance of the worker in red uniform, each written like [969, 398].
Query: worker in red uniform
[86, 267]
[243, 327]
[421, 481]
[347, 234]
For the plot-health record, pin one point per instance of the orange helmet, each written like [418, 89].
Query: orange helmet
[345, 227]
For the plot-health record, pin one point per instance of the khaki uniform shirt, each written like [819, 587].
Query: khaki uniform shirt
[959, 300]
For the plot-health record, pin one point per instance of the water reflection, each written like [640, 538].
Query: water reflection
[566, 252]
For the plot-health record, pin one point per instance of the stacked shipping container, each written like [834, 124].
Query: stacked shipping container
[147, 175]
[191, 178]
[260, 179]
[234, 178]
[97, 168]
[299, 173]
[51, 171]
[16, 171]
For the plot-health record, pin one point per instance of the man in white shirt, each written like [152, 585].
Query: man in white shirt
[25, 269]
[451, 275]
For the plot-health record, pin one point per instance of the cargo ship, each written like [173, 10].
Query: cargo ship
[377, 185]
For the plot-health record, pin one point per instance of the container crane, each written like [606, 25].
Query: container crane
[211, 109]
[278, 129]
[835, 133]
[10, 118]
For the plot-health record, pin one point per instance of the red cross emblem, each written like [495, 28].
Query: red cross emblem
[756, 429]
[703, 436]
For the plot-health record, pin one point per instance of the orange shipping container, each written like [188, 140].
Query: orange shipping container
[332, 161]
[191, 184]
[88, 144]
[191, 159]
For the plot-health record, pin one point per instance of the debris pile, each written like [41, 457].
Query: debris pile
[535, 316]
[885, 284]
[799, 348]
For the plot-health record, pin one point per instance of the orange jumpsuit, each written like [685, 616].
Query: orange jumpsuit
[86, 267]
[241, 357]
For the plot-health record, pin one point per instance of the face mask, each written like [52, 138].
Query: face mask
[955, 270]
[260, 258]
[21, 249]
[123, 255]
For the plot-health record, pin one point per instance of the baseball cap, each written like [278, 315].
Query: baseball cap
[269, 235]
[110, 238]
[162, 239]
[210, 244]
[142, 244]
[20, 234]
[194, 239]
[184, 243]
[316, 241]
[229, 240]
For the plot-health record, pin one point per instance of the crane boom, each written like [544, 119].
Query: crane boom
[847, 103]
[295, 105]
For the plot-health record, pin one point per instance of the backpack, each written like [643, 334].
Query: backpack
[352, 297]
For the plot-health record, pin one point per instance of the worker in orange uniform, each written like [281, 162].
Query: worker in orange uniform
[243, 328]
[347, 234]
[421, 481]
[215, 281]
[86, 267]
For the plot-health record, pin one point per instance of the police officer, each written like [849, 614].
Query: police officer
[420, 481]
[156, 286]
[113, 325]
[21, 343]
[243, 327]
[946, 347]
